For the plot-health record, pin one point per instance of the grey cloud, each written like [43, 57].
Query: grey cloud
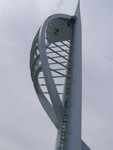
[60, 2]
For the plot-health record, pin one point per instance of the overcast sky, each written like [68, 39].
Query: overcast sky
[23, 123]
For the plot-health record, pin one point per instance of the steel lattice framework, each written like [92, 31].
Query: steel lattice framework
[53, 61]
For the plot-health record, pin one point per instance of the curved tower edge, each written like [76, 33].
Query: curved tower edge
[57, 104]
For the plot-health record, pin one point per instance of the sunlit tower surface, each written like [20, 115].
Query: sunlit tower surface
[56, 72]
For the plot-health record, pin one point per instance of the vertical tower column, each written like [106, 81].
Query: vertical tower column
[75, 95]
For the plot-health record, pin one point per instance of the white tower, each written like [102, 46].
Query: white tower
[56, 71]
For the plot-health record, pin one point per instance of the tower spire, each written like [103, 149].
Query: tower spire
[77, 12]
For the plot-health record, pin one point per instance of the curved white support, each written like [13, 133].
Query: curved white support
[50, 34]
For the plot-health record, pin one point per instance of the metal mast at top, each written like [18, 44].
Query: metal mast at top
[56, 72]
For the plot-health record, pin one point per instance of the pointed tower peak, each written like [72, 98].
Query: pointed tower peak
[77, 12]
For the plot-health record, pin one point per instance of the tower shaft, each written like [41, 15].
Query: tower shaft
[75, 94]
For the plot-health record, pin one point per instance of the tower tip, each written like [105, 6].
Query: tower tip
[77, 12]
